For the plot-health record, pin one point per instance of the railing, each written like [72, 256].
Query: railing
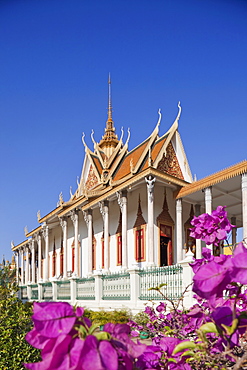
[23, 291]
[34, 292]
[63, 290]
[171, 276]
[85, 288]
[47, 291]
[116, 286]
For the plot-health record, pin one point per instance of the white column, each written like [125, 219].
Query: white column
[33, 261]
[64, 225]
[22, 266]
[208, 207]
[150, 193]
[39, 257]
[244, 205]
[104, 210]
[179, 230]
[27, 266]
[74, 217]
[198, 241]
[45, 231]
[208, 200]
[122, 201]
[88, 217]
[17, 266]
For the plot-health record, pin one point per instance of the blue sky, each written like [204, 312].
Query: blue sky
[55, 56]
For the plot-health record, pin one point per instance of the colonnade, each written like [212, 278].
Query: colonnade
[33, 272]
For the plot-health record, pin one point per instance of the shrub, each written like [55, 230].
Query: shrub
[15, 322]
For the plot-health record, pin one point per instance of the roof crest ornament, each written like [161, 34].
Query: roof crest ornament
[83, 141]
[94, 142]
[179, 112]
[122, 133]
[128, 138]
[160, 116]
[25, 230]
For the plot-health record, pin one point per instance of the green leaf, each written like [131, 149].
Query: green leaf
[103, 335]
[172, 360]
[162, 284]
[184, 345]
[188, 353]
[209, 327]
[231, 329]
[92, 328]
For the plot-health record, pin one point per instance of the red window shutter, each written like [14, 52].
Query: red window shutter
[54, 264]
[73, 259]
[103, 253]
[119, 250]
[61, 263]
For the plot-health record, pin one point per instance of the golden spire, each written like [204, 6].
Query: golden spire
[109, 140]
[109, 120]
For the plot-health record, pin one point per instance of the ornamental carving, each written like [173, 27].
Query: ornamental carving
[92, 179]
[169, 163]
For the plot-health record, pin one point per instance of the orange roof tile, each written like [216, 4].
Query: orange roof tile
[134, 155]
[155, 151]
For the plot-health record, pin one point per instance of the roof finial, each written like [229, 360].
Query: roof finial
[109, 139]
[109, 120]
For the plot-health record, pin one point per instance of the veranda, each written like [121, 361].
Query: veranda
[129, 289]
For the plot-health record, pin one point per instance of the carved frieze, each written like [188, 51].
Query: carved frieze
[92, 179]
[169, 163]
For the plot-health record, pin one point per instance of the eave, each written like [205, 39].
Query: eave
[121, 186]
[34, 231]
[20, 245]
[227, 173]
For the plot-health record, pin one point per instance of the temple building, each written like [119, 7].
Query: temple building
[131, 208]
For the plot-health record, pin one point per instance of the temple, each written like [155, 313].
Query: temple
[131, 210]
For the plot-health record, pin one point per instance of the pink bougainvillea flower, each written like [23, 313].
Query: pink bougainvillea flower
[239, 260]
[211, 228]
[98, 355]
[53, 318]
[210, 280]
[53, 354]
[36, 340]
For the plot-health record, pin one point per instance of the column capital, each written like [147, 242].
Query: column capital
[87, 215]
[103, 207]
[74, 216]
[63, 222]
[150, 180]
[45, 230]
[244, 181]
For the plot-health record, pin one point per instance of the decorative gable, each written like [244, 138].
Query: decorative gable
[169, 163]
[92, 179]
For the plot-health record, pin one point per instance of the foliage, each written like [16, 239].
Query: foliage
[15, 322]
[68, 340]
[210, 335]
[102, 317]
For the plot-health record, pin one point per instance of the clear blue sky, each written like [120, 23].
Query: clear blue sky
[55, 56]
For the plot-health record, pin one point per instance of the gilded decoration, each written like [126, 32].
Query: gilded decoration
[169, 163]
[92, 179]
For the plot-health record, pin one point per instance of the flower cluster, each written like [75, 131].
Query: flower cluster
[68, 340]
[211, 228]
[210, 335]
